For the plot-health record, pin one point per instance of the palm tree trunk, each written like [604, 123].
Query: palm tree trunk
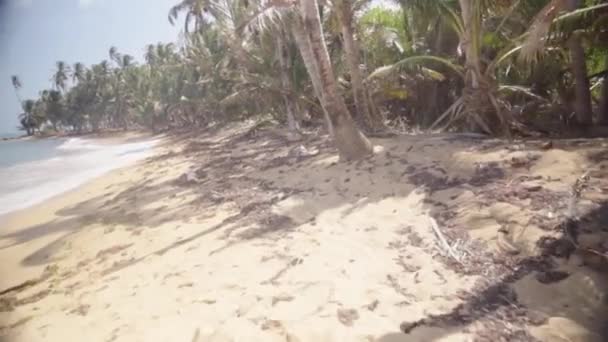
[292, 122]
[18, 97]
[351, 143]
[351, 52]
[445, 44]
[578, 65]
[482, 111]
[604, 97]
[473, 64]
[471, 91]
[312, 69]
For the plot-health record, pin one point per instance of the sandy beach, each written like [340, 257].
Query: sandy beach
[245, 235]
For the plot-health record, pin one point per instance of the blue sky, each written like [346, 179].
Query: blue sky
[34, 34]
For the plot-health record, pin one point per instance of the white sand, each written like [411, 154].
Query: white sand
[317, 252]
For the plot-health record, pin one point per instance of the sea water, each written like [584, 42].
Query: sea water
[33, 170]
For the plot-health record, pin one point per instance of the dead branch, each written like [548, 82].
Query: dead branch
[443, 242]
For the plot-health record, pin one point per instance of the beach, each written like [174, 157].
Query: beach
[246, 235]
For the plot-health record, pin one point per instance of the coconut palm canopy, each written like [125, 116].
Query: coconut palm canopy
[359, 66]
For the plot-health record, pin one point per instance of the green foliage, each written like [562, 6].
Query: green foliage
[226, 66]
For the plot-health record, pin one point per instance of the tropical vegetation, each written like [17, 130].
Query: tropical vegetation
[359, 66]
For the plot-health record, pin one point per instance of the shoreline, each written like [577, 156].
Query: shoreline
[112, 150]
[37, 213]
[45, 210]
[87, 135]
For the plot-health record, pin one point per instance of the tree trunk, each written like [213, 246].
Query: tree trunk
[351, 143]
[604, 97]
[18, 98]
[292, 122]
[578, 65]
[480, 109]
[473, 64]
[471, 90]
[305, 49]
[351, 52]
[445, 44]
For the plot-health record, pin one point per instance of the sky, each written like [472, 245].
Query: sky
[35, 34]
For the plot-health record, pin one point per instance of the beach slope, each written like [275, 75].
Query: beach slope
[246, 235]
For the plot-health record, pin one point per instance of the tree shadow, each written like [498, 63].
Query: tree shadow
[495, 303]
[256, 172]
[222, 166]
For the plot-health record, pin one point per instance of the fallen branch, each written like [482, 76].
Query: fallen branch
[443, 241]
[570, 227]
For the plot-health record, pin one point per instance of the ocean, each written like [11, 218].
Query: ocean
[34, 170]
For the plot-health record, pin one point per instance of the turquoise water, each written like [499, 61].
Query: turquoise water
[19, 151]
[33, 170]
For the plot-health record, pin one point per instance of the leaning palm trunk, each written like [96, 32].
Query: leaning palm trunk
[351, 143]
[578, 65]
[312, 69]
[351, 52]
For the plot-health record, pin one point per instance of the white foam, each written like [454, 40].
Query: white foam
[26, 184]
[78, 144]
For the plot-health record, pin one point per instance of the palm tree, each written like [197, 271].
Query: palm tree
[61, 75]
[478, 106]
[578, 66]
[17, 85]
[119, 88]
[54, 104]
[27, 119]
[537, 38]
[308, 58]
[283, 58]
[114, 55]
[78, 72]
[195, 14]
[351, 143]
[604, 96]
[150, 55]
[351, 52]
[477, 97]
[126, 61]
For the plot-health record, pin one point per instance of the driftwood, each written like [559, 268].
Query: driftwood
[443, 242]
[571, 224]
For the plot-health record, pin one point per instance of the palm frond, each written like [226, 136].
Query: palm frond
[580, 12]
[388, 69]
[541, 25]
[519, 89]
